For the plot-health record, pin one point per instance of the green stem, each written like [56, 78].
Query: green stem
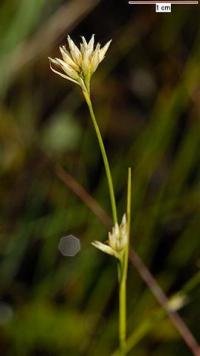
[122, 307]
[122, 273]
[104, 155]
[123, 262]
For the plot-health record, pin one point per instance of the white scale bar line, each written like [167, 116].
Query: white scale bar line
[138, 2]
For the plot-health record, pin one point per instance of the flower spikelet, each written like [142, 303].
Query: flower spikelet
[117, 240]
[79, 64]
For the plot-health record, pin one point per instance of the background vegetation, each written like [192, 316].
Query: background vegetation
[147, 99]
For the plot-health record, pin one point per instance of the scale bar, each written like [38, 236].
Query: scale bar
[172, 2]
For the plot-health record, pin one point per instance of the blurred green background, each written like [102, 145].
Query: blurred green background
[147, 101]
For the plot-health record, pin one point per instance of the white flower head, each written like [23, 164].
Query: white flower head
[79, 64]
[117, 240]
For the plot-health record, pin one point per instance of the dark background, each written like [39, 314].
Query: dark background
[147, 100]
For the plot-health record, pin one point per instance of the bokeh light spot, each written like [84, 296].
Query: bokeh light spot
[69, 246]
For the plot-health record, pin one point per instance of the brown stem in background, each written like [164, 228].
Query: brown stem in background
[164, 302]
[64, 19]
[76, 188]
[136, 261]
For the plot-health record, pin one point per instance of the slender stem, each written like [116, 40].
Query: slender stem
[122, 307]
[104, 155]
[129, 191]
[123, 262]
[122, 272]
